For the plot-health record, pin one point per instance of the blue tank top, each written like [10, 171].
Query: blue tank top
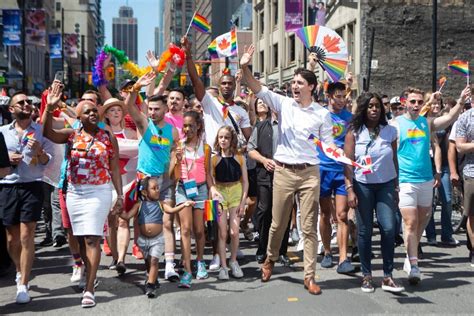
[154, 149]
[414, 150]
[150, 213]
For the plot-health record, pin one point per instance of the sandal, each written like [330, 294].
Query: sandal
[88, 300]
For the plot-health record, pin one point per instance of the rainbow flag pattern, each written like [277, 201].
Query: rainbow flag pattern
[201, 24]
[211, 210]
[225, 112]
[442, 81]
[415, 135]
[159, 142]
[224, 45]
[459, 66]
[27, 137]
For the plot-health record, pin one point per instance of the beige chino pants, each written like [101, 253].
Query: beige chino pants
[286, 183]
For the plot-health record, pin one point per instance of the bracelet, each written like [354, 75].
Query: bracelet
[120, 197]
[349, 187]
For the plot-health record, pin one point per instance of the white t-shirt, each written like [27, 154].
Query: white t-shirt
[214, 117]
[295, 125]
[452, 134]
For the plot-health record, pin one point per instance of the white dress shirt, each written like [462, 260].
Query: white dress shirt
[295, 125]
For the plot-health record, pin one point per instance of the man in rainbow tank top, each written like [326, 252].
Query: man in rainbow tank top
[159, 139]
[416, 172]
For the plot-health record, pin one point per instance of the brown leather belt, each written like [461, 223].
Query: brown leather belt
[299, 166]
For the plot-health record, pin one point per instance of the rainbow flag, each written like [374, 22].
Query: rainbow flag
[201, 24]
[27, 137]
[459, 66]
[224, 45]
[211, 210]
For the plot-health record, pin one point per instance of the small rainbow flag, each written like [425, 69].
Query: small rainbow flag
[459, 66]
[201, 24]
[442, 81]
[27, 137]
[211, 210]
[225, 112]
[224, 45]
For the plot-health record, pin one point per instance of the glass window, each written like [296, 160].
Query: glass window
[291, 48]
[262, 61]
[275, 55]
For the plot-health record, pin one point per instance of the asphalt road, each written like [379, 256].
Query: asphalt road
[446, 289]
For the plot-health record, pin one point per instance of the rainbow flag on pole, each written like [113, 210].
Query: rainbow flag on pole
[224, 45]
[201, 24]
[459, 66]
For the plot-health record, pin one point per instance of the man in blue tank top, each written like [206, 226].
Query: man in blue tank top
[416, 173]
[332, 183]
[159, 140]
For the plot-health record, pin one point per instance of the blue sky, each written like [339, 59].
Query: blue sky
[146, 12]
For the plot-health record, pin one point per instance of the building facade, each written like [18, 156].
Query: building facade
[125, 33]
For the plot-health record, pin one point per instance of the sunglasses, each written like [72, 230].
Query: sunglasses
[23, 102]
[420, 102]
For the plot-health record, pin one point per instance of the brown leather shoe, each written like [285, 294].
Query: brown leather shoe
[267, 268]
[311, 286]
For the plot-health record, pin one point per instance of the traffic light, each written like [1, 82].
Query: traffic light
[110, 73]
[199, 70]
[182, 80]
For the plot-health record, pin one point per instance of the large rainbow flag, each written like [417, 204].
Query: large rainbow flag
[201, 24]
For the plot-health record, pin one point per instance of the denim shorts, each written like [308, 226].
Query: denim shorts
[416, 194]
[181, 196]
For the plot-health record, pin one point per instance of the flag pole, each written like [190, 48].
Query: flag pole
[190, 23]
[468, 73]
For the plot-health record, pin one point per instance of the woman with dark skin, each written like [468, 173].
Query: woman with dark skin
[93, 164]
[371, 141]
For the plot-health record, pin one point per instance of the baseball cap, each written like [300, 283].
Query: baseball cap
[126, 83]
[395, 100]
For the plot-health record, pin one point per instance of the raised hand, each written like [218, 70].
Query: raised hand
[246, 58]
[54, 95]
[465, 95]
[146, 79]
[150, 56]
[186, 45]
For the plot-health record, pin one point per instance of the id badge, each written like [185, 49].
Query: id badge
[190, 188]
[84, 165]
[367, 162]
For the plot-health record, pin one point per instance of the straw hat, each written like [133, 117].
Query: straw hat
[110, 103]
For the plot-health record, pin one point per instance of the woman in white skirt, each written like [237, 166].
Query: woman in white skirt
[93, 165]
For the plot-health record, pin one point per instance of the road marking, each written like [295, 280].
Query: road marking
[292, 299]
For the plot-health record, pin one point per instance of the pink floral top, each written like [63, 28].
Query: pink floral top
[89, 158]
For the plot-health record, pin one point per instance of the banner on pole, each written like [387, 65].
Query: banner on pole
[293, 14]
[11, 28]
[70, 45]
[35, 27]
[55, 46]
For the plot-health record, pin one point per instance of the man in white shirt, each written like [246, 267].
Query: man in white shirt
[296, 163]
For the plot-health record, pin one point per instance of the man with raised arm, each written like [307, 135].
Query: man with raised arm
[220, 110]
[154, 151]
[296, 163]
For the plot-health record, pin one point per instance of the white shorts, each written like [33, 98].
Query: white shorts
[416, 194]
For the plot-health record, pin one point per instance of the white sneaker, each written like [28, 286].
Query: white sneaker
[300, 246]
[236, 270]
[170, 273]
[22, 296]
[407, 266]
[290, 240]
[240, 254]
[77, 272]
[215, 263]
[18, 280]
